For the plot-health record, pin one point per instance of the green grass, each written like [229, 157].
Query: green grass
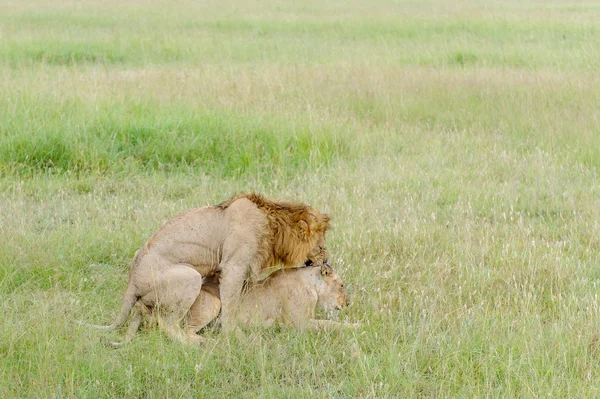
[455, 144]
[66, 136]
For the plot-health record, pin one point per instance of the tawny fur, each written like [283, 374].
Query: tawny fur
[236, 239]
[290, 297]
[287, 297]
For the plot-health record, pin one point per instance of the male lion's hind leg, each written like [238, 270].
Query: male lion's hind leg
[174, 292]
[205, 309]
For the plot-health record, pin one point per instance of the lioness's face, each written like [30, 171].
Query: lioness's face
[334, 296]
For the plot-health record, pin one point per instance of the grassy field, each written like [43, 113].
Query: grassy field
[456, 144]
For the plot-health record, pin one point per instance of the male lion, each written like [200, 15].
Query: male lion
[286, 297]
[236, 239]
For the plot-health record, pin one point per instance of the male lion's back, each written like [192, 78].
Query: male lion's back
[194, 237]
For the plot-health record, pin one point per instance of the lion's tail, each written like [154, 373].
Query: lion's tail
[128, 302]
[134, 324]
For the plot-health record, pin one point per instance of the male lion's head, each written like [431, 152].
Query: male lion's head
[332, 295]
[295, 232]
[314, 227]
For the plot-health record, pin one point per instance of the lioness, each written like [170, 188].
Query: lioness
[286, 297]
[236, 239]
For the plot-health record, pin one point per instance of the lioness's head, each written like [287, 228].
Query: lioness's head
[332, 295]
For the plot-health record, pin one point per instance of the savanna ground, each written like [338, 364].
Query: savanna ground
[455, 144]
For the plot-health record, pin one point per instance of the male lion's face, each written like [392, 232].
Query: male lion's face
[318, 255]
[334, 296]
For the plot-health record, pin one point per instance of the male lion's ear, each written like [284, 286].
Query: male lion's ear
[303, 229]
[325, 271]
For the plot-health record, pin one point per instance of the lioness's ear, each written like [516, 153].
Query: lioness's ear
[325, 271]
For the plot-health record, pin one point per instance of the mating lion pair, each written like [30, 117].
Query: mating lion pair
[198, 263]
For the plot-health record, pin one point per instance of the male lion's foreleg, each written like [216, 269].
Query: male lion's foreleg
[231, 284]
